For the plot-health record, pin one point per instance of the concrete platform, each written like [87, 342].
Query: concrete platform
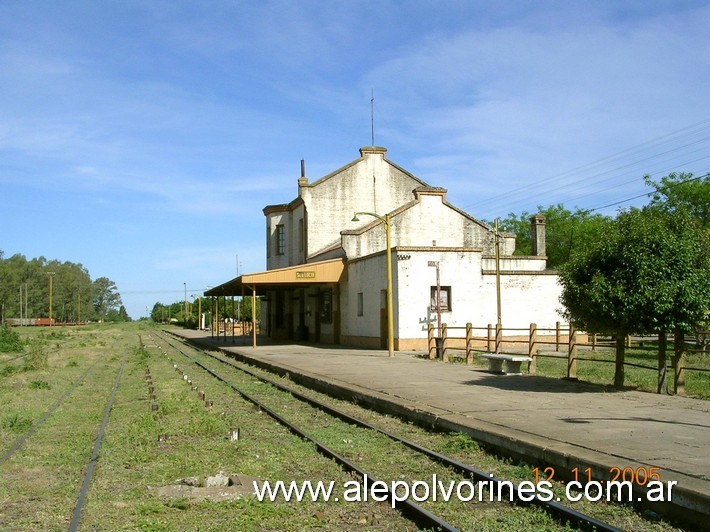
[548, 421]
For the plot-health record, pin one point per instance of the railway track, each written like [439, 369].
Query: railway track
[11, 457]
[22, 439]
[14, 358]
[422, 516]
[76, 515]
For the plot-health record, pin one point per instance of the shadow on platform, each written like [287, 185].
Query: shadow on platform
[537, 383]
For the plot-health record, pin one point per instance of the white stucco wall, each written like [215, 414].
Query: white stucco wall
[460, 270]
[369, 277]
[525, 298]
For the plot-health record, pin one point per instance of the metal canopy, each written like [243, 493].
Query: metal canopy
[324, 272]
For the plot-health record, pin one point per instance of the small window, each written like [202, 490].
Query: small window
[280, 240]
[445, 298]
[359, 304]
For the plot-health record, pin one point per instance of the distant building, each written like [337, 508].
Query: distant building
[326, 273]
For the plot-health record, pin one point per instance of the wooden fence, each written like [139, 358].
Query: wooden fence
[468, 340]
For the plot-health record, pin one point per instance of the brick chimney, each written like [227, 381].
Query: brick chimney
[537, 235]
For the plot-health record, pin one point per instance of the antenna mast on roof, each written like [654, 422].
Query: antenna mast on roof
[372, 115]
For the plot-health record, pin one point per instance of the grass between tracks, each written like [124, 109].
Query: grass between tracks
[145, 452]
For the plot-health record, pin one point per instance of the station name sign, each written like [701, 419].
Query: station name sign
[306, 275]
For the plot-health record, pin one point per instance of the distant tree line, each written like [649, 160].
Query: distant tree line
[25, 290]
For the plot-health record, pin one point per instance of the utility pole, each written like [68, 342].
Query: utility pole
[435, 264]
[51, 274]
[499, 325]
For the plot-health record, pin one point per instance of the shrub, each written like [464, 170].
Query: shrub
[38, 357]
[10, 341]
[40, 385]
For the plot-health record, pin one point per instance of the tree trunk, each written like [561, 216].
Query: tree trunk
[679, 363]
[662, 371]
[620, 351]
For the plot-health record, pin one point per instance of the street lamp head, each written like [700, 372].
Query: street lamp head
[355, 219]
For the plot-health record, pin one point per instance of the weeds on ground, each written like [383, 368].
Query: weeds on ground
[40, 385]
[8, 370]
[16, 422]
[140, 353]
[58, 335]
[38, 357]
[460, 443]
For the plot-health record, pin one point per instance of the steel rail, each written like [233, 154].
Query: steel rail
[76, 517]
[558, 510]
[14, 358]
[413, 511]
[48, 413]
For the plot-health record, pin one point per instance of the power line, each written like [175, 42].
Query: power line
[691, 136]
[648, 193]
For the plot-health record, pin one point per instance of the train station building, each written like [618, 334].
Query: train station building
[326, 254]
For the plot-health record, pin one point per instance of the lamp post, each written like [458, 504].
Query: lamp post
[390, 313]
[185, 314]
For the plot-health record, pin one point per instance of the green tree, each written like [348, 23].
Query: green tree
[682, 191]
[123, 314]
[566, 232]
[106, 296]
[650, 273]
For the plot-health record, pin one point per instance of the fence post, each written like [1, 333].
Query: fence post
[532, 349]
[572, 354]
[594, 341]
[444, 336]
[488, 347]
[557, 336]
[628, 340]
[679, 364]
[430, 341]
[469, 344]
[499, 336]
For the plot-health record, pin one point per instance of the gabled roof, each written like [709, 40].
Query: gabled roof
[364, 151]
[424, 190]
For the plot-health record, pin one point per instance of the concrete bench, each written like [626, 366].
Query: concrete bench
[512, 363]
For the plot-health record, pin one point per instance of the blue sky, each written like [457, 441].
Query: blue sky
[142, 139]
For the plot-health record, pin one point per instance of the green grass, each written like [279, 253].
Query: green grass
[144, 450]
[697, 383]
